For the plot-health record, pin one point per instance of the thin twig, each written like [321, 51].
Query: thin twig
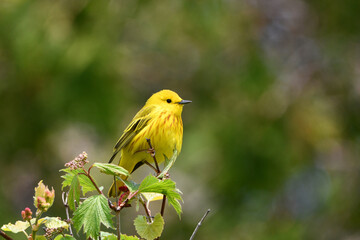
[153, 155]
[157, 172]
[147, 210]
[116, 188]
[162, 210]
[4, 235]
[34, 230]
[163, 205]
[118, 225]
[93, 182]
[149, 164]
[199, 224]
[65, 202]
[117, 219]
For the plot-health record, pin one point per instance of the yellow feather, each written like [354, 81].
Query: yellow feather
[160, 121]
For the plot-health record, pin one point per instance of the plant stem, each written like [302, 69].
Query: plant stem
[4, 235]
[199, 224]
[92, 180]
[149, 164]
[117, 213]
[118, 225]
[65, 202]
[35, 227]
[116, 194]
[147, 210]
[163, 205]
[153, 156]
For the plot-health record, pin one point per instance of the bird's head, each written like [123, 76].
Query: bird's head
[168, 100]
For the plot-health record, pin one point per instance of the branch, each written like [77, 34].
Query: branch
[65, 202]
[118, 224]
[4, 235]
[163, 205]
[147, 210]
[199, 224]
[87, 173]
[149, 164]
[152, 153]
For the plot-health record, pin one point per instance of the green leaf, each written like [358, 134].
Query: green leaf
[174, 201]
[19, 226]
[131, 185]
[126, 237]
[168, 163]
[40, 237]
[39, 192]
[74, 192]
[69, 176]
[111, 169]
[54, 222]
[148, 181]
[85, 182]
[147, 230]
[93, 212]
[40, 221]
[107, 236]
[66, 237]
[166, 187]
[111, 236]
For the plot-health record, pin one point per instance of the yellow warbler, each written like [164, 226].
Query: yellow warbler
[160, 121]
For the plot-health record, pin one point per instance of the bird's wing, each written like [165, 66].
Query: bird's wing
[140, 120]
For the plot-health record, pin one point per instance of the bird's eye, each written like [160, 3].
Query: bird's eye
[168, 100]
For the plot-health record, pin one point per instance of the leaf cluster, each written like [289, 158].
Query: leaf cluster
[90, 214]
[96, 210]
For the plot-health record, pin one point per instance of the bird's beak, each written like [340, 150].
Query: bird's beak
[184, 102]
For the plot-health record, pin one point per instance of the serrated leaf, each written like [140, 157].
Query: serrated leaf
[148, 181]
[54, 222]
[174, 201]
[168, 164]
[19, 226]
[166, 187]
[147, 230]
[111, 169]
[131, 185]
[152, 184]
[68, 176]
[74, 192]
[66, 237]
[85, 182]
[111, 236]
[93, 212]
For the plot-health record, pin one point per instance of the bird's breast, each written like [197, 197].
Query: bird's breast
[165, 133]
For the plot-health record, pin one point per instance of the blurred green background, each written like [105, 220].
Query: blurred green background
[271, 140]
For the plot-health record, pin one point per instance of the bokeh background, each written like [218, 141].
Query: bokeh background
[271, 140]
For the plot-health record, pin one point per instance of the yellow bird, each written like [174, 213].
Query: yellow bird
[160, 121]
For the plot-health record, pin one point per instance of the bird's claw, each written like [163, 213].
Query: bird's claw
[151, 151]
